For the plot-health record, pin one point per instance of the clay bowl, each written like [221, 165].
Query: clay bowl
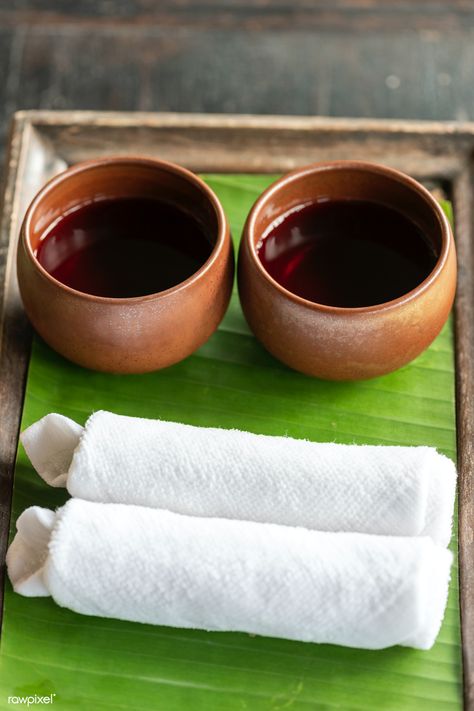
[346, 343]
[126, 335]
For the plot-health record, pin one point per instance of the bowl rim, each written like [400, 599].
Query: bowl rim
[222, 238]
[447, 240]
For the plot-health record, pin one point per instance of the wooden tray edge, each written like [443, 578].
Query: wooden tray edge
[242, 121]
[15, 333]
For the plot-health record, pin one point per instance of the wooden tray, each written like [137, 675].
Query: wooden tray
[43, 143]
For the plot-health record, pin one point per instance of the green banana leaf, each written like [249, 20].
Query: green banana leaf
[93, 664]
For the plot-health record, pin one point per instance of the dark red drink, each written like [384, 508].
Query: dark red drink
[124, 247]
[347, 253]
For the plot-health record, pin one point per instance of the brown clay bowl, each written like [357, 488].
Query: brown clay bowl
[126, 335]
[346, 343]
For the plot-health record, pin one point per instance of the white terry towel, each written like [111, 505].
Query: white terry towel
[155, 566]
[400, 491]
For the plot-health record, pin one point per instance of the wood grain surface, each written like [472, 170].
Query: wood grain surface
[334, 57]
[463, 195]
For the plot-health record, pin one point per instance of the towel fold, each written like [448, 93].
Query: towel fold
[400, 491]
[154, 566]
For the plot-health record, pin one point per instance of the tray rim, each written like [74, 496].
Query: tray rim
[38, 117]
[453, 139]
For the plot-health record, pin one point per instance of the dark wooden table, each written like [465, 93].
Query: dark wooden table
[366, 58]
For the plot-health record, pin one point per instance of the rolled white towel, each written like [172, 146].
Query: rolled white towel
[154, 566]
[400, 491]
